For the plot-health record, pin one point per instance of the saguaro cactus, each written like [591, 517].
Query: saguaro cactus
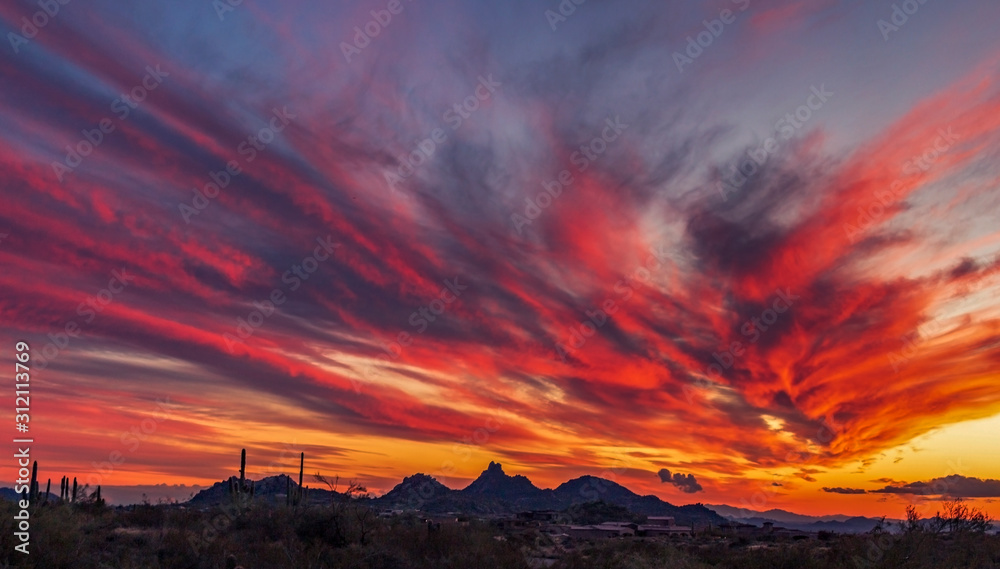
[33, 489]
[298, 491]
[48, 486]
[242, 490]
[243, 466]
[73, 497]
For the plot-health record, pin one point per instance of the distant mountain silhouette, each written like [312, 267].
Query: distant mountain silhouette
[425, 493]
[773, 514]
[837, 523]
[497, 492]
[418, 489]
[11, 495]
[271, 490]
[858, 524]
[493, 492]
[495, 483]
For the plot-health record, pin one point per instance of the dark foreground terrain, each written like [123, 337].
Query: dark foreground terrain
[89, 535]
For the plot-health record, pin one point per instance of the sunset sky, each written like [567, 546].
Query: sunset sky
[575, 242]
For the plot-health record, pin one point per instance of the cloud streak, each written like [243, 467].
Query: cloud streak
[870, 249]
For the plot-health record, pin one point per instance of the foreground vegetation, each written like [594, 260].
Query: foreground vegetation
[347, 534]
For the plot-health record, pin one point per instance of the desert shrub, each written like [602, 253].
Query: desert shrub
[322, 525]
[320, 537]
[631, 553]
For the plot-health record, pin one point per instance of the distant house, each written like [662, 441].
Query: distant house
[737, 527]
[529, 519]
[448, 518]
[655, 526]
[663, 525]
[794, 534]
[750, 530]
[538, 516]
[602, 531]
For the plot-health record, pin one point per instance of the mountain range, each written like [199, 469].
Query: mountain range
[271, 489]
[496, 492]
[836, 523]
[493, 492]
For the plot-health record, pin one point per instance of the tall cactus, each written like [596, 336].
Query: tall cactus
[48, 487]
[73, 497]
[298, 491]
[33, 489]
[242, 490]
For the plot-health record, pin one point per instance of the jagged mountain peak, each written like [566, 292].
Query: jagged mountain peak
[495, 491]
[496, 483]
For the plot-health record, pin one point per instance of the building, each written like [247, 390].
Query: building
[538, 516]
[663, 525]
[660, 530]
[602, 531]
[738, 528]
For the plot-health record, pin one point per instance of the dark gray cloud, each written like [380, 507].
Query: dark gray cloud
[687, 483]
[956, 486]
[838, 490]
